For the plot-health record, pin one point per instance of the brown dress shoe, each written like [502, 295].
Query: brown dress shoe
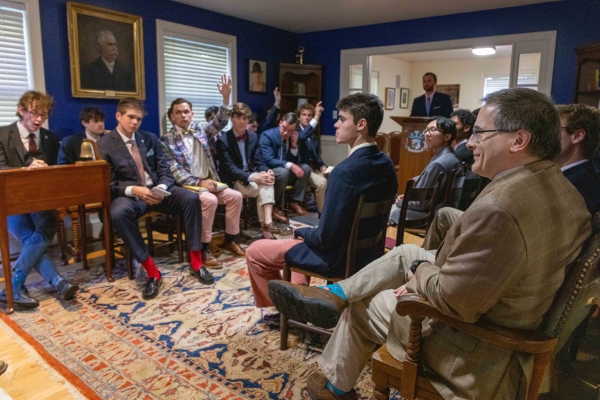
[234, 249]
[298, 209]
[269, 227]
[279, 215]
[316, 386]
[318, 306]
[209, 261]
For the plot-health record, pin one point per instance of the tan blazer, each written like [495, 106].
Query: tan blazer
[502, 261]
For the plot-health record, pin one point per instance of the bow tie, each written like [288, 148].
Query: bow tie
[244, 137]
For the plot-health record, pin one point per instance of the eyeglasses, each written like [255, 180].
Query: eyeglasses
[433, 130]
[36, 115]
[476, 133]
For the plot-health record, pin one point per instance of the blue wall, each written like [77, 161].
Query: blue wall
[253, 41]
[577, 23]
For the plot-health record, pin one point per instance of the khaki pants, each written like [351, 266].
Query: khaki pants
[318, 182]
[366, 322]
[264, 194]
[443, 220]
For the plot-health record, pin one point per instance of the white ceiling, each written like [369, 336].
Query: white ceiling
[317, 15]
[443, 55]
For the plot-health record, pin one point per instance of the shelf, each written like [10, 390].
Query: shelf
[300, 95]
[596, 92]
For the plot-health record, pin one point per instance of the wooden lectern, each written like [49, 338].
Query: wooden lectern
[414, 157]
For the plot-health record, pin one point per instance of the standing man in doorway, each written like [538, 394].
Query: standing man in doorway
[432, 103]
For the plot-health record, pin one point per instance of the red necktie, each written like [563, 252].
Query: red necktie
[32, 145]
[135, 154]
[244, 137]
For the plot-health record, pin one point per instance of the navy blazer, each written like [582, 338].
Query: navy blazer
[323, 250]
[13, 153]
[123, 171]
[270, 144]
[70, 148]
[96, 75]
[231, 164]
[441, 105]
[587, 181]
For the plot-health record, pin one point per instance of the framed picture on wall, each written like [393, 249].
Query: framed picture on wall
[451, 90]
[257, 76]
[390, 98]
[106, 51]
[404, 98]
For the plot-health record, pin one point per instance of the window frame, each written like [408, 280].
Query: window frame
[192, 33]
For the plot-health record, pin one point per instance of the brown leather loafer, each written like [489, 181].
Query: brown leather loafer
[307, 303]
[234, 249]
[279, 215]
[316, 386]
[269, 227]
[209, 261]
[298, 209]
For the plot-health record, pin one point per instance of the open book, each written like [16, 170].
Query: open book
[220, 186]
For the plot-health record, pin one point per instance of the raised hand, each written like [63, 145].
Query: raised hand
[225, 88]
[277, 95]
[319, 110]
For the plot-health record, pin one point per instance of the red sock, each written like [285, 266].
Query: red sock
[150, 268]
[196, 259]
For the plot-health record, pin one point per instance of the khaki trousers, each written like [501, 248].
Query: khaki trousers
[264, 194]
[443, 220]
[365, 323]
[318, 182]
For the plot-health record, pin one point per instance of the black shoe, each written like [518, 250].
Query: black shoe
[67, 290]
[203, 276]
[3, 367]
[272, 319]
[20, 299]
[151, 288]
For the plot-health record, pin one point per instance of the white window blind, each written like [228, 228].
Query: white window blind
[374, 82]
[15, 59]
[356, 73]
[192, 70]
[493, 83]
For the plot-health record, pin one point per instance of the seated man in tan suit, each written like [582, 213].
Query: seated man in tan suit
[502, 261]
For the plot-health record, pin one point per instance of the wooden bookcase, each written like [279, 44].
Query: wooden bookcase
[298, 82]
[586, 88]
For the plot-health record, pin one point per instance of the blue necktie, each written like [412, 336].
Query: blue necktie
[427, 104]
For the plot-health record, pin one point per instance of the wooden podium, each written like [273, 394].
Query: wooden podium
[414, 157]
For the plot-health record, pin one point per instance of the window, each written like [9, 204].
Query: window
[21, 66]
[356, 80]
[190, 63]
[493, 83]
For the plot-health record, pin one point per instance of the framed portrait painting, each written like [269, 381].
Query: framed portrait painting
[451, 90]
[106, 52]
[404, 98]
[390, 98]
[257, 76]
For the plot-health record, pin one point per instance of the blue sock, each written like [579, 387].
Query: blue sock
[336, 289]
[334, 389]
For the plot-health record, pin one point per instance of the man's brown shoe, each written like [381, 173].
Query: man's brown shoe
[316, 386]
[298, 209]
[234, 249]
[318, 306]
[270, 227]
[209, 261]
[279, 215]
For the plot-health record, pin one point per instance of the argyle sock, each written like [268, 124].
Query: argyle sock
[336, 289]
[196, 259]
[150, 268]
[334, 389]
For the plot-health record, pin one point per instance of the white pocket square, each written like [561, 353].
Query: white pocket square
[150, 153]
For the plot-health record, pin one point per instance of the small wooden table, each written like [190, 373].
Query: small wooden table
[25, 191]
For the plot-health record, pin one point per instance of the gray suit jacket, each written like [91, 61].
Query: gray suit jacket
[502, 261]
[14, 155]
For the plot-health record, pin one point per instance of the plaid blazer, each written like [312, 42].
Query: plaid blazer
[179, 157]
[502, 262]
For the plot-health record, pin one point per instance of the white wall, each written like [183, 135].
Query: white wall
[469, 74]
[388, 68]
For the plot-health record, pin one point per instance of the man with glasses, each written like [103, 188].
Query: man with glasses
[501, 262]
[280, 152]
[25, 144]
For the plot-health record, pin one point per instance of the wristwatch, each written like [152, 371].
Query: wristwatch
[415, 264]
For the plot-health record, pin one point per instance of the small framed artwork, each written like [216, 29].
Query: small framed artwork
[106, 49]
[257, 76]
[390, 98]
[451, 90]
[404, 98]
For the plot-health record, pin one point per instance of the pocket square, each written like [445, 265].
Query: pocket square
[150, 153]
[436, 107]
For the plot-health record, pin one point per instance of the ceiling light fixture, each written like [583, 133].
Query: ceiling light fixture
[484, 51]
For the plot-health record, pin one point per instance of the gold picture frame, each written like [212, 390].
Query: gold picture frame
[106, 50]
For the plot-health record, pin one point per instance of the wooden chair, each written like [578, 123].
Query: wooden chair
[363, 211]
[382, 139]
[395, 144]
[578, 293]
[453, 189]
[422, 195]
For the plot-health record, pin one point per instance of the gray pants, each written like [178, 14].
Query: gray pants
[284, 177]
[365, 324]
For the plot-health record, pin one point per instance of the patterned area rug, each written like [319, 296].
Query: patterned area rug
[191, 342]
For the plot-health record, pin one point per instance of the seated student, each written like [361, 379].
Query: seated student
[92, 118]
[243, 169]
[190, 160]
[580, 138]
[25, 144]
[464, 121]
[439, 135]
[502, 263]
[308, 142]
[323, 250]
[271, 119]
[137, 168]
[280, 152]
[252, 123]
